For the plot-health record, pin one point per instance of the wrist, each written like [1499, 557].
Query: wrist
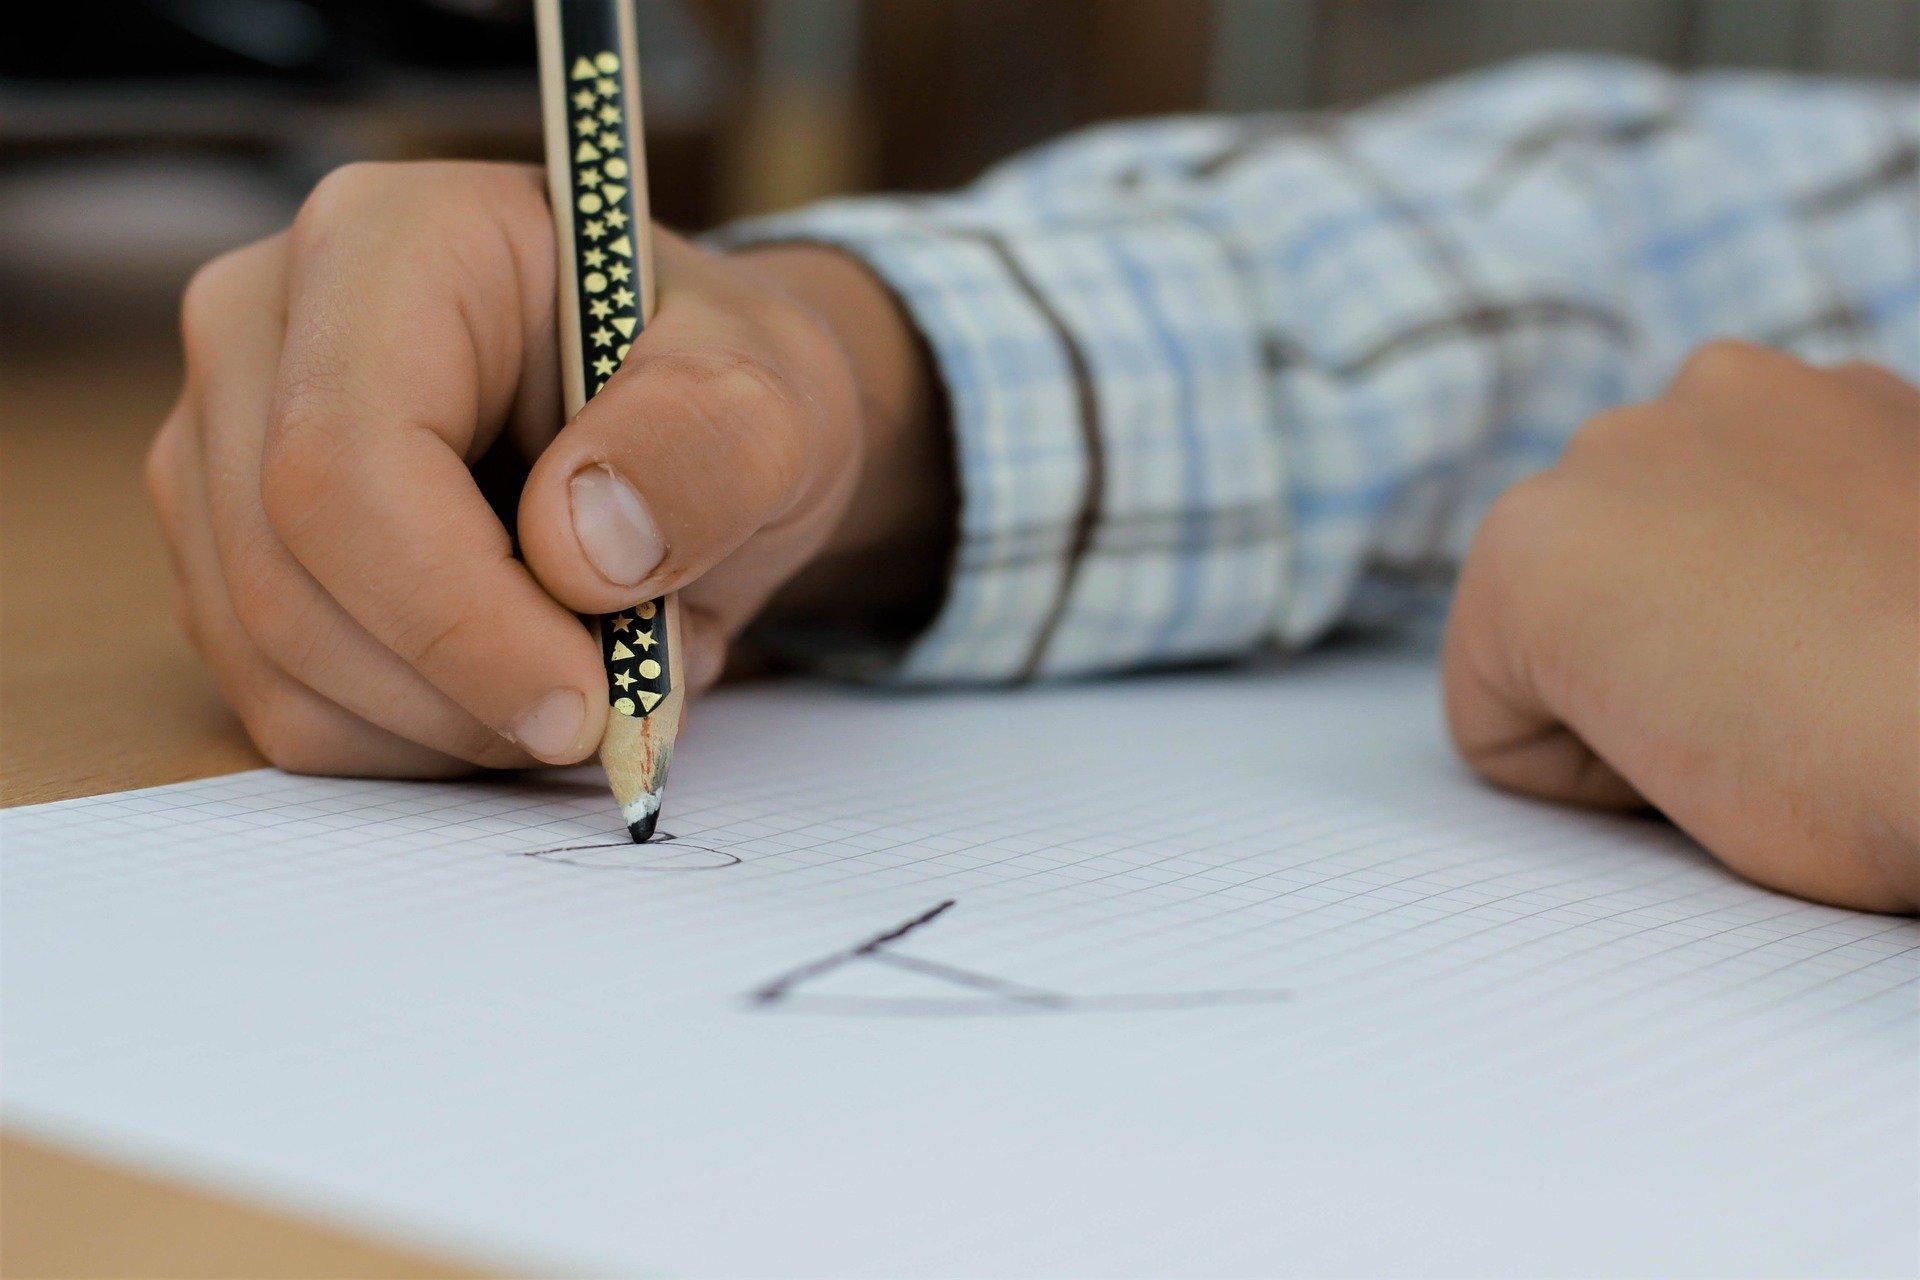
[885, 563]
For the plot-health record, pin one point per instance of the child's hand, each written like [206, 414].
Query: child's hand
[1710, 605]
[345, 577]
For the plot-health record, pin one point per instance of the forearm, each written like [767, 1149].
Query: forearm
[1206, 379]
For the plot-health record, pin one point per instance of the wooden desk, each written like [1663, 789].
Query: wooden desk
[84, 583]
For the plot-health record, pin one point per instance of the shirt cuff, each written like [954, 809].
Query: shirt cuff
[1022, 452]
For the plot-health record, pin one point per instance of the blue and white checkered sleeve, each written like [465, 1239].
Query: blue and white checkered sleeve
[1215, 384]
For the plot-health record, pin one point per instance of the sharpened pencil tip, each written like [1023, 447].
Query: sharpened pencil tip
[641, 813]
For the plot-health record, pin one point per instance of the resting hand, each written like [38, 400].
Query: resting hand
[1709, 605]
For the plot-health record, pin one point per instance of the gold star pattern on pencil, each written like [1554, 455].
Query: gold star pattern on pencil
[637, 679]
[601, 182]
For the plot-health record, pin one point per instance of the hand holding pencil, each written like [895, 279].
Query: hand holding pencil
[765, 447]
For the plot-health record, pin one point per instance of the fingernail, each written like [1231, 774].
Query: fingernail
[552, 727]
[613, 526]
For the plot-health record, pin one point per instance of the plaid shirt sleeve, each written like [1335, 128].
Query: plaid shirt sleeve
[1219, 383]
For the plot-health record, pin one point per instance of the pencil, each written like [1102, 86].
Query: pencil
[597, 184]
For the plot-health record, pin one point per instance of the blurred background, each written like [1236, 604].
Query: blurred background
[138, 138]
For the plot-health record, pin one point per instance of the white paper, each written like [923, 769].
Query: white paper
[1242, 974]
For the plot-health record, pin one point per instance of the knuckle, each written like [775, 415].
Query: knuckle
[1516, 521]
[1866, 369]
[159, 472]
[795, 332]
[339, 197]
[300, 464]
[832, 393]
[187, 621]
[1611, 433]
[1513, 514]
[423, 639]
[203, 302]
[1514, 556]
[482, 746]
[751, 408]
[288, 733]
[299, 640]
[1871, 380]
[515, 196]
[277, 613]
[1727, 365]
[259, 594]
[453, 209]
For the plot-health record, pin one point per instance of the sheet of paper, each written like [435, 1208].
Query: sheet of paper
[1210, 975]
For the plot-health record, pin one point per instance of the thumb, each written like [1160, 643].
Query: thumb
[695, 444]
